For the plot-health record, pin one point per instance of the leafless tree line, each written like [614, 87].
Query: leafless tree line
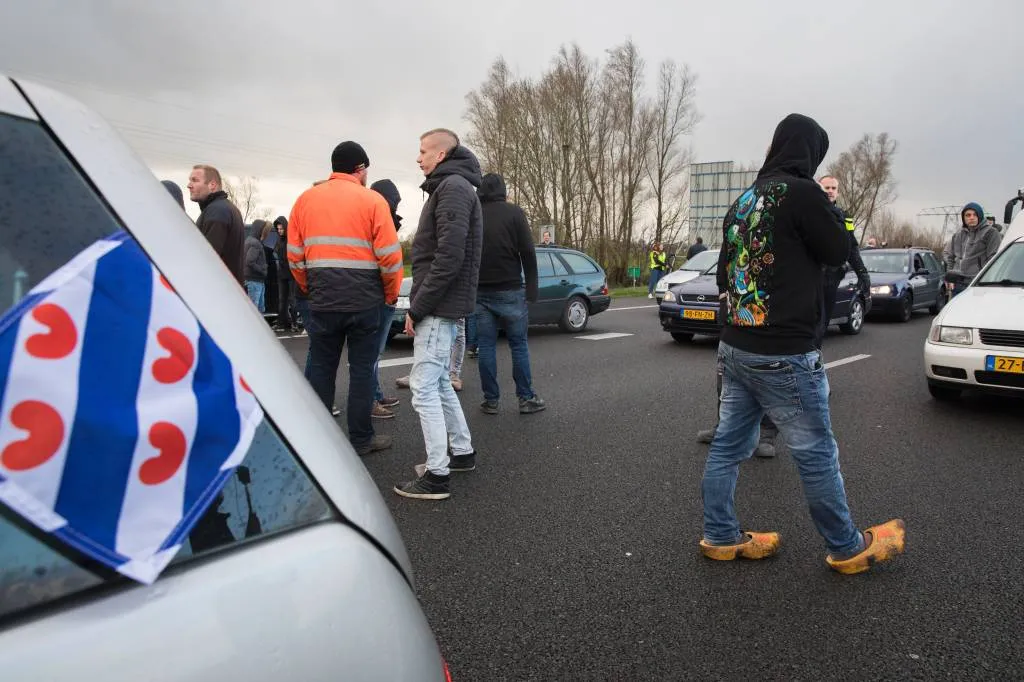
[586, 148]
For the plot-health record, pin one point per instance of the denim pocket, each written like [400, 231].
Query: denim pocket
[775, 386]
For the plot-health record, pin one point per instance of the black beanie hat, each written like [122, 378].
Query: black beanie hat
[348, 157]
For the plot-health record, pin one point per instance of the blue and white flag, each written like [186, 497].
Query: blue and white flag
[120, 418]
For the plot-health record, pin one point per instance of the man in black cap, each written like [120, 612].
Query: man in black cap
[344, 253]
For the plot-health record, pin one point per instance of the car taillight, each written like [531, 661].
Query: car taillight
[447, 673]
[604, 289]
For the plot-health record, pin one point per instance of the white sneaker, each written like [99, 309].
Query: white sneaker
[650, 295]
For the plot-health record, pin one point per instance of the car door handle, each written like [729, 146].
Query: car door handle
[565, 282]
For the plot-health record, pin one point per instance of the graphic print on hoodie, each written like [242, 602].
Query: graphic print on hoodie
[751, 261]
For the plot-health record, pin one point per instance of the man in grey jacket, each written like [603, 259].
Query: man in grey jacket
[971, 247]
[256, 266]
[445, 273]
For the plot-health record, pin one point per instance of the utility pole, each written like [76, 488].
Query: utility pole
[950, 217]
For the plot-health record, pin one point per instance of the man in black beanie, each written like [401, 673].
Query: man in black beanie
[343, 252]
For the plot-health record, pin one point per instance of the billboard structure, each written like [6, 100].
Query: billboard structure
[713, 188]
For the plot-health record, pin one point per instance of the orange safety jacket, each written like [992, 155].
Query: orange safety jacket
[343, 248]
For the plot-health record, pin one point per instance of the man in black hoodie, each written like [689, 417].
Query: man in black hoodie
[220, 221]
[776, 238]
[445, 272]
[508, 255]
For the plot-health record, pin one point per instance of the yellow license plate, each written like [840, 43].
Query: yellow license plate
[699, 314]
[996, 363]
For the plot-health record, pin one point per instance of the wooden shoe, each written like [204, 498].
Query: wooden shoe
[884, 542]
[757, 546]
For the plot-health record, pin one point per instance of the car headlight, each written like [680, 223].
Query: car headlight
[962, 336]
[882, 290]
[662, 286]
[669, 297]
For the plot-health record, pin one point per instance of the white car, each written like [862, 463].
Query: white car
[977, 341]
[690, 269]
[294, 571]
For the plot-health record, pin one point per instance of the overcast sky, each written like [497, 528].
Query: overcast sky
[267, 88]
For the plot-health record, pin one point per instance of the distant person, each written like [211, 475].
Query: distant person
[784, 225]
[991, 222]
[445, 272]
[343, 250]
[698, 247]
[286, 318]
[255, 266]
[546, 240]
[219, 220]
[834, 275]
[382, 403]
[175, 191]
[657, 260]
[970, 247]
[872, 243]
[501, 299]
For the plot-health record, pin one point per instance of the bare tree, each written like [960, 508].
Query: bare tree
[865, 178]
[245, 194]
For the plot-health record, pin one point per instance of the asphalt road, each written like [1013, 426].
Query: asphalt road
[571, 552]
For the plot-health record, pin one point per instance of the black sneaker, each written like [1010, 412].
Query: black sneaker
[429, 486]
[489, 406]
[462, 462]
[335, 412]
[472, 352]
[705, 436]
[376, 444]
[532, 405]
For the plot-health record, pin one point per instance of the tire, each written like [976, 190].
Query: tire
[940, 302]
[855, 322]
[575, 316]
[944, 393]
[682, 337]
[906, 308]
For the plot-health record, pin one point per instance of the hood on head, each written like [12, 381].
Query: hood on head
[976, 207]
[175, 191]
[389, 191]
[281, 220]
[798, 148]
[492, 188]
[460, 162]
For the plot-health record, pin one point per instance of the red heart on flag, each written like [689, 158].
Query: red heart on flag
[45, 429]
[60, 340]
[170, 441]
[175, 366]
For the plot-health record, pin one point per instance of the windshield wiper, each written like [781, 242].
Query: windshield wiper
[1001, 283]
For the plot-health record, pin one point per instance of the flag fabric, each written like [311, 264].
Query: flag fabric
[120, 418]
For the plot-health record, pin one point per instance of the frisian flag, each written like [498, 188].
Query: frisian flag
[120, 418]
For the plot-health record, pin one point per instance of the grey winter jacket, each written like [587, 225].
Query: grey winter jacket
[446, 249]
[255, 260]
[968, 251]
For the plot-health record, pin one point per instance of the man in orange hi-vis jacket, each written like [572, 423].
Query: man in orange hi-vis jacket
[344, 253]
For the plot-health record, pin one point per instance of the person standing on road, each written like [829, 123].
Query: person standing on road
[776, 237]
[343, 250]
[508, 255]
[382, 403]
[658, 262]
[970, 248]
[445, 272]
[255, 267]
[219, 220]
[832, 276]
[285, 287]
[698, 247]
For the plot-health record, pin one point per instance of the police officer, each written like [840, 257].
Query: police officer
[833, 276]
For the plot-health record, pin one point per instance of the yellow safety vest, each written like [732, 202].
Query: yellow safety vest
[657, 259]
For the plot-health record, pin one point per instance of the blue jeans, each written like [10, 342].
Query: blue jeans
[328, 332]
[433, 397]
[387, 313]
[510, 308]
[793, 390]
[471, 330]
[257, 293]
[653, 280]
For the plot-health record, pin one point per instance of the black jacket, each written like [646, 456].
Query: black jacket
[508, 252]
[694, 250]
[776, 238]
[255, 260]
[284, 273]
[446, 249]
[222, 225]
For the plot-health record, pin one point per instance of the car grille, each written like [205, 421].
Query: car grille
[999, 379]
[695, 298]
[1002, 337]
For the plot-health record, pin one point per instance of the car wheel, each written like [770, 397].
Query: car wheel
[944, 393]
[906, 308]
[576, 315]
[855, 322]
[940, 302]
[682, 337]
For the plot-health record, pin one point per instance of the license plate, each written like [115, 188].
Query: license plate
[997, 363]
[699, 314]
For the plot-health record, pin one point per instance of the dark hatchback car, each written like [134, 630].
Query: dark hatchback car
[691, 308]
[571, 288]
[905, 280]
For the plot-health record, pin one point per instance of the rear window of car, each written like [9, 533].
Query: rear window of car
[544, 266]
[48, 214]
[581, 265]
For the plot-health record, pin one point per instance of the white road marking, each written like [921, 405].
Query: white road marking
[634, 307]
[602, 337]
[845, 361]
[396, 362]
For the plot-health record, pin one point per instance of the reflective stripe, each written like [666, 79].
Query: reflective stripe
[301, 265]
[341, 263]
[397, 246]
[337, 241]
[388, 271]
[295, 249]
